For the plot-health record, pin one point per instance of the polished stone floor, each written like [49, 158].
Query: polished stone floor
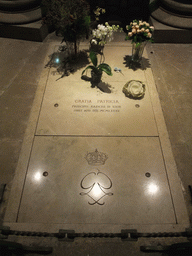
[122, 185]
[54, 183]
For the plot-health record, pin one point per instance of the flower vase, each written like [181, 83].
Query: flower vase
[73, 47]
[95, 78]
[137, 51]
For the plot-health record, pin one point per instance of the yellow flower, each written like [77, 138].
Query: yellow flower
[103, 10]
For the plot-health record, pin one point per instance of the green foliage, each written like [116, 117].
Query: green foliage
[69, 17]
[97, 68]
[93, 58]
[106, 68]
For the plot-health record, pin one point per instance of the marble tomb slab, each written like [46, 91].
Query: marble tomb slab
[71, 107]
[131, 185]
[137, 186]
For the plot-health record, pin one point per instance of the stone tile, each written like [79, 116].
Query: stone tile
[174, 91]
[171, 65]
[15, 107]
[186, 124]
[183, 106]
[91, 112]
[32, 70]
[184, 162]
[39, 54]
[82, 110]
[171, 101]
[14, 55]
[30, 73]
[9, 153]
[176, 83]
[20, 90]
[183, 101]
[172, 122]
[175, 64]
[124, 188]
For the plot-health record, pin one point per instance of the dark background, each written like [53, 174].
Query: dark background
[122, 10]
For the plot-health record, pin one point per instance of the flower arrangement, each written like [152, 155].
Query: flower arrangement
[103, 33]
[139, 31]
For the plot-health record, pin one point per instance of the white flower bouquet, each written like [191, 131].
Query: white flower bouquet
[139, 31]
[103, 33]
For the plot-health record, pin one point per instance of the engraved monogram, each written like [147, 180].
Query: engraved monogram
[96, 183]
[95, 189]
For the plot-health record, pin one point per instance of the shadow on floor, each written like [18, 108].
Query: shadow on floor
[104, 87]
[66, 64]
[143, 65]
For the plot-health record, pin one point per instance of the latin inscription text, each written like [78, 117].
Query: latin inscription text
[102, 106]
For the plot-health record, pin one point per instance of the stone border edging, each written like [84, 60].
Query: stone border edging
[21, 18]
[18, 5]
[178, 7]
[172, 20]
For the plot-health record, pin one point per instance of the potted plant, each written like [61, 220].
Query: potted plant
[70, 19]
[140, 32]
[96, 70]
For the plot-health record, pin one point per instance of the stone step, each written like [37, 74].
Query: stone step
[20, 17]
[35, 31]
[167, 34]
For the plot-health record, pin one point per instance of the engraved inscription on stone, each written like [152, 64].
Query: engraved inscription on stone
[96, 183]
[100, 106]
[96, 187]
[96, 158]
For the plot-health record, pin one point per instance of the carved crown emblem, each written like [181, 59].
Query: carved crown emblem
[96, 158]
